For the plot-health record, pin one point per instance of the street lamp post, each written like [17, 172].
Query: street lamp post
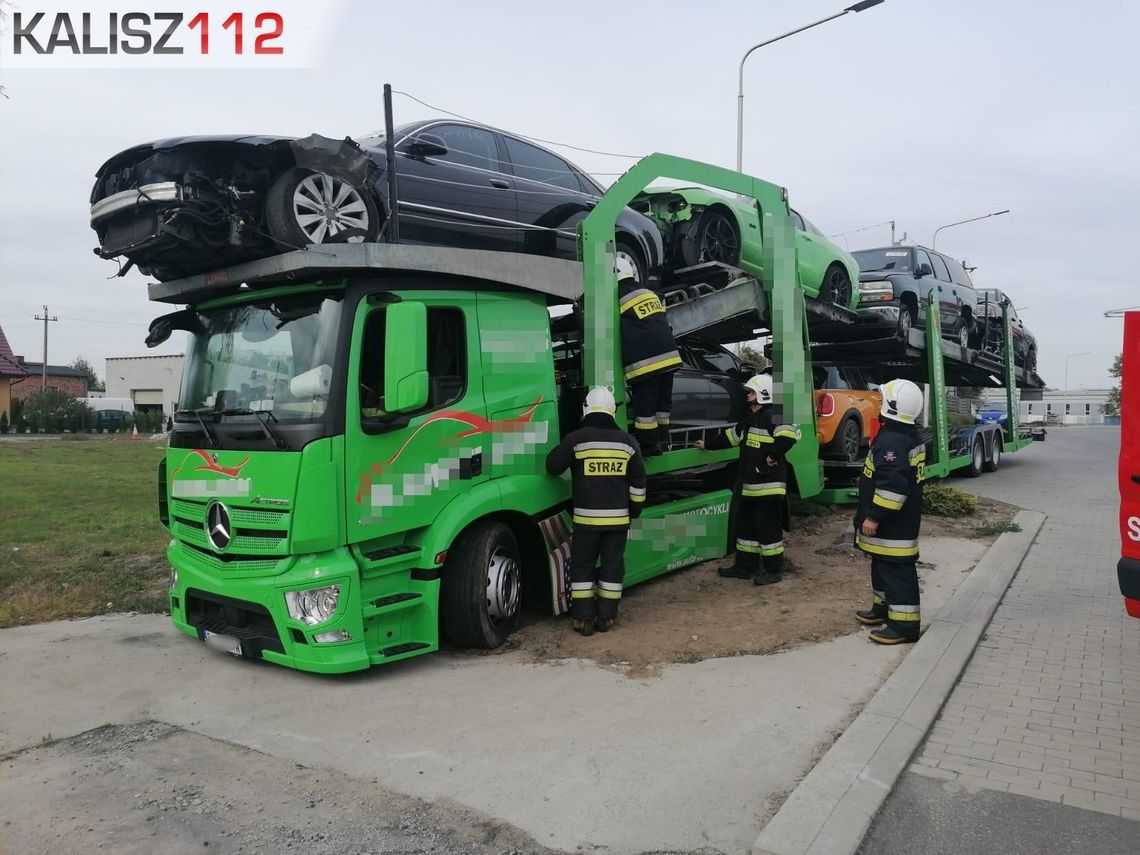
[1067, 358]
[934, 240]
[857, 7]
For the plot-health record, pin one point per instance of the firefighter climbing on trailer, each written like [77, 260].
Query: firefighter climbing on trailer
[890, 514]
[763, 476]
[608, 488]
[649, 355]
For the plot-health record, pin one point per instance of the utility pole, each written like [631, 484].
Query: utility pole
[46, 319]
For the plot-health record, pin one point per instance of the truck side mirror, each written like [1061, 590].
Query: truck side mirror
[405, 358]
[923, 270]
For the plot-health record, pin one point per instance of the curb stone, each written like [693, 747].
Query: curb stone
[832, 808]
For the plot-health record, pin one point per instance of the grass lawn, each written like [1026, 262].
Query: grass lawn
[79, 530]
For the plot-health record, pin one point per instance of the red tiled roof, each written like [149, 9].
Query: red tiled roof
[8, 365]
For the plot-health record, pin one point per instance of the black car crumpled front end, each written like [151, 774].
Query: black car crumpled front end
[178, 207]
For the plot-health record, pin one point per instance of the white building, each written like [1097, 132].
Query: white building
[1058, 406]
[151, 382]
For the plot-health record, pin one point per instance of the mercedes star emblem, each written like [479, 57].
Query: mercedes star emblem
[218, 525]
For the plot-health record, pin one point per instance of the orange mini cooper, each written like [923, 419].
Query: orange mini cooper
[846, 408]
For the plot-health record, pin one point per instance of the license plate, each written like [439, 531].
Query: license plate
[222, 643]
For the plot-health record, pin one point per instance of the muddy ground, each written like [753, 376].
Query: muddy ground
[694, 614]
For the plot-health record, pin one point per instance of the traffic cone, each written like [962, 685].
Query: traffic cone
[134, 432]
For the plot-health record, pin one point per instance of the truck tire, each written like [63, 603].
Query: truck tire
[977, 458]
[481, 586]
[994, 460]
[297, 202]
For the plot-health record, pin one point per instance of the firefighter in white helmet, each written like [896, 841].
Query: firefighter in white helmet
[649, 356]
[763, 476]
[890, 514]
[608, 487]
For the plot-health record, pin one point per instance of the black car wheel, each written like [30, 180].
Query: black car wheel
[715, 239]
[625, 250]
[906, 321]
[305, 207]
[1031, 359]
[964, 333]
[849, 440]
[836, 286]
[481, 586]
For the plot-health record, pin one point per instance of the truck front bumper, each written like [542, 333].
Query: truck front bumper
[247, 615]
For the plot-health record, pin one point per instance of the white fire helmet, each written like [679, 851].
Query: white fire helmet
[624, 269]
[902, 401]
[761, 386]
[599, 400]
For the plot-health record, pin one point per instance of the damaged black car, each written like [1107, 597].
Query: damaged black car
[188, 205]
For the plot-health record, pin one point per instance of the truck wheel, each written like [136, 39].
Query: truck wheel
[480, 590]
[994, 461]
[305, 207]
[977, 458]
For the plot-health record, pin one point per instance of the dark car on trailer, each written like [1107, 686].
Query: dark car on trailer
[895, 281]
[991, 302]
[191, 204]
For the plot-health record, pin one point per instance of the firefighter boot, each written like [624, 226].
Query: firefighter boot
[874, 616]
[890, 635]
[738, 570]
[773, 571]
[582, 627]
[604, 624]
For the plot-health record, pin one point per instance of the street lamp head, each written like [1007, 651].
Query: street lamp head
[862, 5]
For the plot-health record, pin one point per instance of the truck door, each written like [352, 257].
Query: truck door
[1128, 569]
[402, 468]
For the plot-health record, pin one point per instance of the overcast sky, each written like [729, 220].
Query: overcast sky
[921, 111]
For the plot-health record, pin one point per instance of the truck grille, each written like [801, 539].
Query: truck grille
[259, 539]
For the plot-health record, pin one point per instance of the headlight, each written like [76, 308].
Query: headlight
[173, 577]
[871, 292]
[313, 606]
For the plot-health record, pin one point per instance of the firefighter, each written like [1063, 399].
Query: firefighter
[650, 356]
[608, 477]
[890, 513]
[763, 485]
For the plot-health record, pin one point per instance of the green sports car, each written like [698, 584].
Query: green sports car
[699, 225]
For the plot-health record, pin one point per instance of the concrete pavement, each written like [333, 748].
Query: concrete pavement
[698, 756]
[1038, 747]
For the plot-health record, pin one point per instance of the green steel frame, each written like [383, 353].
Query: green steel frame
[790, 354]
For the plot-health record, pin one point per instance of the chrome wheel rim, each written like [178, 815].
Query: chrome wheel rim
[324, 206]
[502, 587]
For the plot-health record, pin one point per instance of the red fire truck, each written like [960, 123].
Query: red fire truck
[1128, 570]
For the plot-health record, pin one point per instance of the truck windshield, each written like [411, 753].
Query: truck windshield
[273, 358]
[895, 259]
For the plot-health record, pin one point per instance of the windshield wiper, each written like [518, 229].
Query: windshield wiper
[257, 414]
[198, 415]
